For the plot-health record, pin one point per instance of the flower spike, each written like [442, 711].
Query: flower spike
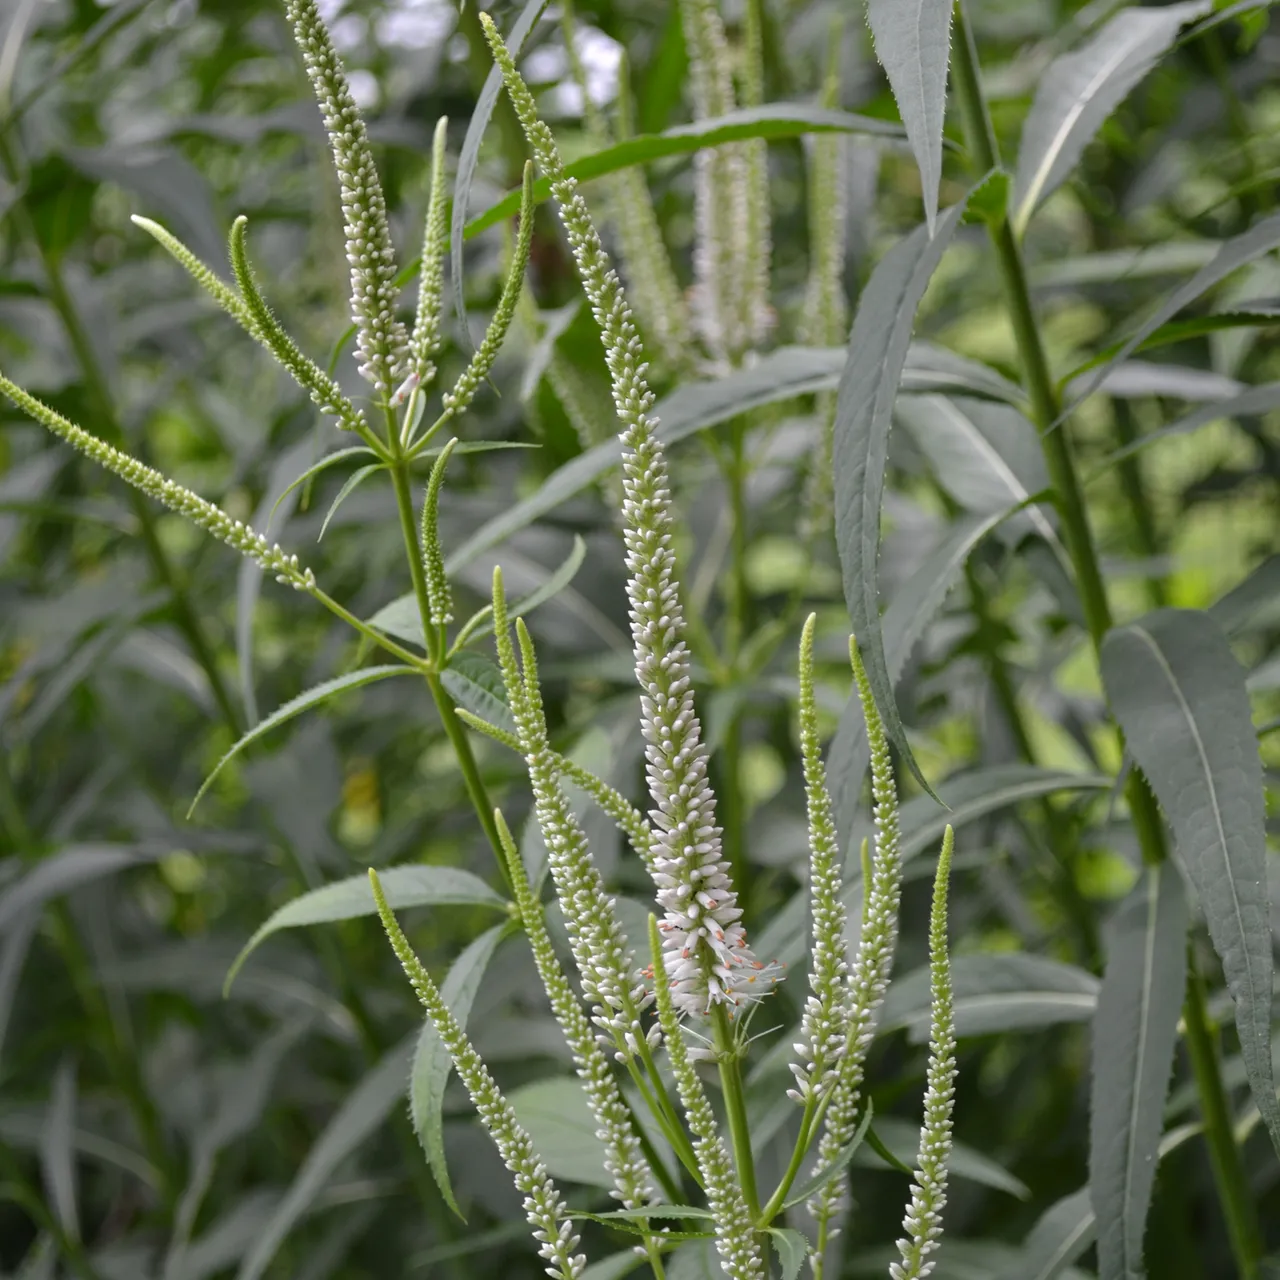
[923, 1221]
[424, 342]
[710, 961]
[176, 497]
[439, 597]
[380, 337]
[543, 1207]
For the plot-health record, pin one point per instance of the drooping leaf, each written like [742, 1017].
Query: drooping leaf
[1180, 697]
[432, 1063]
[350, 485]
[1134, 379]
[773, 120]
[909, 613]
[57, 1155]
[364, 1109]
[329, 460]
[314, 697]
[469, 156]
[1001, 991]
[474, 682]
[352, 898]
[1232, 254]
[1079, 90]
[792, 1249]
[864, 415]
[913, 43]
[1135, 1030]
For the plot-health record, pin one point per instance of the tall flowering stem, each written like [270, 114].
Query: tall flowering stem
[736, 1240]
[543, 1207]
[624, 1160]
[710, 962]
[380, 337]
[923, 1220]
[869, 977]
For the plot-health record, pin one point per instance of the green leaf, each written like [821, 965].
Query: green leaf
[913, 43]
[1232, 254]
[824, 1175]
[864, 415]
[994, 992]
[352, 898]
[643, 1214]
[329, 460]
[57, 1154]
[474, 682]
[353, 482]
[989, 200]
[557, 1118]
[61, 872]
[792, 1249]
[1170, 258]
[774, 120]
[1256, 400]
[910, 611]
[987, 456]
[1135, 1031]
[1256, 599]
[431, 1061]
[1180, 697]
[1079, 90]
[364, 1110]
[314, 697]
[901, 1139]
[614, 1268]
[469, 156]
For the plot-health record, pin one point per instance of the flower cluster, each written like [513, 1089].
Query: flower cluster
[380, 337]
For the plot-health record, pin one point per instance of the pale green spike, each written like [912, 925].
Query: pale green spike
[439, 597]
[544, 1208]
[826, 1010]
[322, 389]
[424, 342]
[468, 384]
[923, 1220]
[176, 497]
[506, 650]
[758, 316]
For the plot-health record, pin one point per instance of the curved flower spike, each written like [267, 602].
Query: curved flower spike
[543, 1207]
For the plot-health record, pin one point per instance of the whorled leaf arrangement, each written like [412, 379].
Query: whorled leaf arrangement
[704, 978]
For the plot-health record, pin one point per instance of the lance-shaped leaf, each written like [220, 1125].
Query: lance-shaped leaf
[913, 42]
[1081, 89]
[1180, 698]
[1135, 1030]
[864, 415]
[350, 899]
[432, 1064]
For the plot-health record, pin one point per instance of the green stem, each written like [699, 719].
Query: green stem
[1233, 1186]
[1047, 411]
[109, 428]
[803, 1138]
[735, 1105]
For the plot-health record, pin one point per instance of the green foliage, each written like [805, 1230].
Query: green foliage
[1055, 230]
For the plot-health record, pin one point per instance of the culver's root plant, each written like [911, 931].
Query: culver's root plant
[726, 1081]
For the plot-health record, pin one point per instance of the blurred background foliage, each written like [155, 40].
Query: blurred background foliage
[150, 1127]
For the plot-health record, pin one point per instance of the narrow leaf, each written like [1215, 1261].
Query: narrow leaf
[864, 415]
[1180, 698]
[1232, 254]
[431, 1061]
[314, 697]
[1135, 1031]
[352, 898]
[364, 1110]
[57, 1156]
[475, 683]
[774, 120]
[913, 43]
[792, 1249]
[1257, 598]
[329, 460]
[353, 482]
[1081, 89]
[812, 1186]
[900, 1139]
[1063, 1233]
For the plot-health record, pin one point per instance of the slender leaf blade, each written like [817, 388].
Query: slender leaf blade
[476, 683]
[432, 1063]
[1135, 1030]
[1079, 90]
[1180, 698]
[792, 1249]
[878, 347]
[913, 43]
[313, 697]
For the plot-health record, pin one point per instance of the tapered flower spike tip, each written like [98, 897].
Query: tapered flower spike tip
[380, 337]
[425, 340]
[923, 1221]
